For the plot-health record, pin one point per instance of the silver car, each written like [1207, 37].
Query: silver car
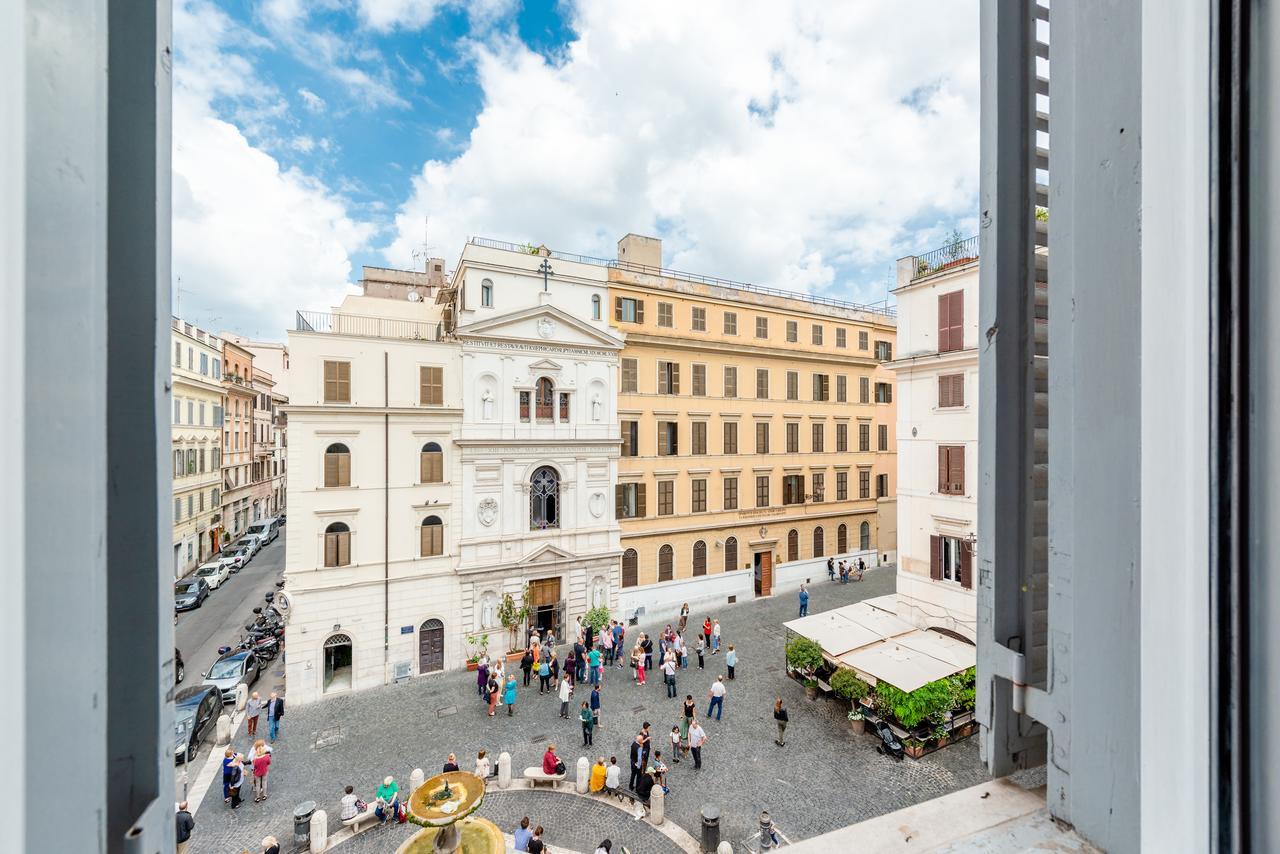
[230, 671]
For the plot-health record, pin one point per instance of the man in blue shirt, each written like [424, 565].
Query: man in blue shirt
[522, 835]
[804, 601]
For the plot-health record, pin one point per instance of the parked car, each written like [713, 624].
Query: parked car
[267, 529]
[251, 542]
[214, 573]
[195, 711]
[280, 520]
[189, 593]
[179, 668]
[240, 556]
[231, 670]
[224, 556]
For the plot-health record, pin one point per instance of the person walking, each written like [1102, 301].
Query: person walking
[492, 690]
[261, 765]
[697, 738]
[831, 568]
[482, 675]
[619, 649]
[715, 638]
[588, 723]
[526, 665]
[522, 835]
[804, 600]
[275, 712]
[566, 691]
[595, 705]
[731, 661]
[544, 676]
[684, 617]
[637, 762]
[606, 642]
[669, 675]
[689, 706]
[252, 710]
[717, 697]
[637, 661]
[682, 651]
[185, 824]
[571, 666]
[702, 648]
[646, 644]
[675, 744]
[237, 780]
[510, 696]
[684, 735]
[780, 715]
[580, 656]
[228, 758]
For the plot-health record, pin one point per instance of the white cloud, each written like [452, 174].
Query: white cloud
[386, 15]
[311, 100]
[253, 241]
[776, 143]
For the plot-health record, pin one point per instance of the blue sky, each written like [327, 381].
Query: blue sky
[798, 147]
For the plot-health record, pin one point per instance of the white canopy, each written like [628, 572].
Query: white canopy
[911, 661]
[844, 629]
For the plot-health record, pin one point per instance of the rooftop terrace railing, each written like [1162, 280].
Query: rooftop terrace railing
[957, 253]
[367, 327]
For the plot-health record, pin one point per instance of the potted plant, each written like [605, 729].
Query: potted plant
[479, 646]
[513, 617]
[597, 618]
[811, 689]
[847, 686]
[805, 657]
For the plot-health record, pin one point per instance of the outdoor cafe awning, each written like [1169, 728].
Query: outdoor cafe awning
[844, 629]
[910, 661]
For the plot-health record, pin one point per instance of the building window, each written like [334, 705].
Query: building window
[950, 559]
[819, 437]
[177, 411]
[762, 490]
[793, 334]
[666, 498]
[544, 399]
[793, 385]
[486, 294]
[951, 469]
[793, 545]
[821, 387]
[630, 376]
[862, 340]
[819, 549]
[884, 393]
[595, 306]
[730, 381]
[731, 437]
[699, 437]
[699, 319]
[337, 545]
[864, 437]
[842, 338]
[665, 314]
[762, 327]
[731, 554]
[864, 483]
[177, 509]
[793, 437]
[864, 536]
[432, 537]
[430, 385]
[700, 557]
[698, 495]
[842, 437]
[819, 487]
[884, 351]
[864, 390]
[668, 377]
[630, 438]
[668, 438]
[792, 489]
[337, 465]
[882, 436]
[630, 568]
[215, 498]
[762, 437]
[950, 322]
[666, 563]
[524, 406]
[730, 323]
[817, 334]
[730, 493]
[544, 499]
[842, 486]
[762, 383]
[431, 463]
[882, 485]
[177, 354]
[950, 390]
[842, 389]
[564, 407]
[629, 500]
[628, 310]
[337, 382]
[698, 377]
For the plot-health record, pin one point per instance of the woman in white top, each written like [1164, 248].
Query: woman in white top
[483, 766]
[499, 672]
[566, 691]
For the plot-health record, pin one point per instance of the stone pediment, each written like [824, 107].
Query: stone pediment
[547, 554]
[545, 365]
[545, 324]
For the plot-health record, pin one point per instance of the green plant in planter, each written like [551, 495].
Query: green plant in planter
[811, 683]
[597, 618]
[513, 616]
[803, 655]
[855, 714]
[847, 686]
[478, 643]
[909, 709]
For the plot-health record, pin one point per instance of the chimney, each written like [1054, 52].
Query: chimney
[640, 250]
[435, 272]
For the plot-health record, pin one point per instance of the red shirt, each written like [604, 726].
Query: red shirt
[261, 764]
[706, 627]
[549, 762]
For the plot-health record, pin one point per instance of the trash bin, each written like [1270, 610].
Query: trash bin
[710, 828]
[302, 823]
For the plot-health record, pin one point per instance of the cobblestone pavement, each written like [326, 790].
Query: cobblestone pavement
[823, 779]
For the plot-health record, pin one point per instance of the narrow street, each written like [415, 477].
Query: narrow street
[220, 622]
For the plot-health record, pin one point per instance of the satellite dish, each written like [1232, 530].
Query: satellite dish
[414, 296]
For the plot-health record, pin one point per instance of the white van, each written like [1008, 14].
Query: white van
[265, 530]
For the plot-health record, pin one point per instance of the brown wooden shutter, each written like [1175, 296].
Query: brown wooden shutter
[330, 549]
[617, 502]
[944, 323]
[944, 485]
[956, 475]
[617, 309]
[675, 377]
[331, 469]
[957, 320]
[639, 311]
[663, 446]
[966, 564]
[957, 389]
[641, 508]
[663, 384]
[944, 391]
[935, 557]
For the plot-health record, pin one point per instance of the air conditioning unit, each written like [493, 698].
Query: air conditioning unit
[403, 670]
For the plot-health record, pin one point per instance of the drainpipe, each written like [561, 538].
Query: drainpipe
[386, 520]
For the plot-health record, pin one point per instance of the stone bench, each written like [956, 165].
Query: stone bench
[536, 775]
[362, 820]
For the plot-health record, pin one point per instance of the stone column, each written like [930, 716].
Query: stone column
[416, 779]
[583, 777]
[724, 848]
[224, 729]
[319, 831]
[657, 805]
[242, 696]
[504, 770]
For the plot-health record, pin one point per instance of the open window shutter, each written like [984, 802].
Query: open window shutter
[641, 509]
[957, 320]
[956, 458]
[344, 548]
[344, 469]
[663, 385]
[966, 564]
[935, 557]
[944, 472]
[639, 311]
[617, 309]
[330, 549]
[944, 322]
[617, 502]
[662, 439]
[675, 377]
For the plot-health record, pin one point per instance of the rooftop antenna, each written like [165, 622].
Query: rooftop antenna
[422, 253]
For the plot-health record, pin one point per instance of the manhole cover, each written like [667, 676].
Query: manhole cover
[446, 711]
[538, 738]
[637, 710]
[327, 738]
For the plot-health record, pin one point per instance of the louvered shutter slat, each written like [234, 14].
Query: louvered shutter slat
[641, 506]
[935, 557]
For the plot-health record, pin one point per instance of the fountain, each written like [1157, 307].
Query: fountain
[443, 806]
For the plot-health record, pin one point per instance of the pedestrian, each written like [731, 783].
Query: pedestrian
[605, 847]
[644, 787]
[536, 845]
[831, 568]
[499, 673]
[715, 638]
[684, 735]
[682, 650]
[646, 741]
[598, 774]
[388, 795]
[237, 780]
[844, 573]
[555, 669]
[717, 697]
[659, 769]
[275, 711]
[566, 691]
[804, 601]
[684, 617]
[350, 804]
[270, 845]
[551, 763]
[637, 661]
[612, 775]
[702, 648]
[228, 758]
[493, 690]
[588, 724]
[510, 697]
[451, 764]
[706, 631]
[780, 715]
[593, 662]
[862, 567]
[589, 636]
[646, 643]
[522, 835]
[675, 744]
[483, 766]
[551, 641]
[689, 706]
[731, 661]
[252, 710]
[697, 738]
[261, 765]
[526, 665]
[595, 705]
[637, 761]
[544, 676]
[619, 633]
[606, 642]
[580, 659]
[482, 675]
[669, 675]
[185, 824]
[571, 666]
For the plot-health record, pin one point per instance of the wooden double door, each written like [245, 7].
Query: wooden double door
[431, 646]
[546, 607]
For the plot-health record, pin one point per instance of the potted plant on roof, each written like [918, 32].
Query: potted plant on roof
[805, 657]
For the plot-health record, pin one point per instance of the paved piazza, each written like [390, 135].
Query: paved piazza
[823, 779]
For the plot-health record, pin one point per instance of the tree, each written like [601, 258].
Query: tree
[513, 616]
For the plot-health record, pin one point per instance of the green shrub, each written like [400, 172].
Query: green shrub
[597, 618]
[847, 686]
[804, 654]
[926, 702]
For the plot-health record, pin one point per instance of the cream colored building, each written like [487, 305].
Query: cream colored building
[757, 433]
[937, 370]
[196, 374]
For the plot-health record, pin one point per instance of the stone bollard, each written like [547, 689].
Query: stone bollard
[657, 805]
[224, 729]
[504, 770]
[583, 777]
[725, 848]
[319, 831]
[242, 696]
[416, 779]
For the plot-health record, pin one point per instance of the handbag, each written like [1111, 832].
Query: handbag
[560, 766]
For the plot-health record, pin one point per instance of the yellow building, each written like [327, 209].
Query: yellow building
[196, 373]
[757, 433]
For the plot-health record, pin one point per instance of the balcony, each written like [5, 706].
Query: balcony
[955, 254]
[363, 326]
